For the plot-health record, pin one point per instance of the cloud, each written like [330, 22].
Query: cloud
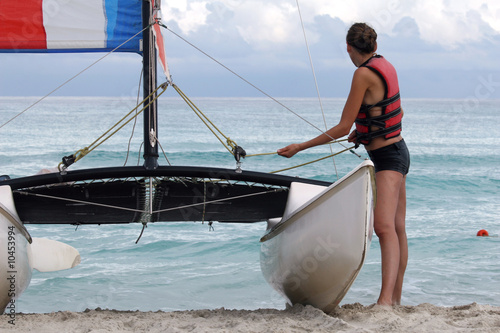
[262, 23]
[268, 25]
[454, 24]
[189, 15]
[441, 48]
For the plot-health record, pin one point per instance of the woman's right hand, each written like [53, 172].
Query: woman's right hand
[289, 150]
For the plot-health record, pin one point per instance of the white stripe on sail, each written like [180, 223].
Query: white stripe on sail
[71, 24]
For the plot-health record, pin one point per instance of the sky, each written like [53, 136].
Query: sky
[441, 49]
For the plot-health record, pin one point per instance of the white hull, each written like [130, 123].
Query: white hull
[15, 267]
[20, 254]
[313, 255]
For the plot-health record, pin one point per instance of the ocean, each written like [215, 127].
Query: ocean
[452, 191]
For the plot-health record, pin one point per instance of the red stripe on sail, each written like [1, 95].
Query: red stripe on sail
[160, 47]
[21, 25]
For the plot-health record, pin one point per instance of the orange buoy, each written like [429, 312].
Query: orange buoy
[482, 232]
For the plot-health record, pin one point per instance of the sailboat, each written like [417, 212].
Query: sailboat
[306, 218]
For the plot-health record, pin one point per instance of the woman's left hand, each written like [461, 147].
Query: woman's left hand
[352, 137]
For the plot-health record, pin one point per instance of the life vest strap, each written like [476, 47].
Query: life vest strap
[367, 137]
[378, 121]
[383, 103]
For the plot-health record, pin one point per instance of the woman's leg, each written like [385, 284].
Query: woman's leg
[403, 243]
[389, 184]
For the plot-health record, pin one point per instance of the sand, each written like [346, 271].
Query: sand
[348, 318]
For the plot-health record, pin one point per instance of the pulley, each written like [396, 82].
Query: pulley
[66, 162]
[238, 153]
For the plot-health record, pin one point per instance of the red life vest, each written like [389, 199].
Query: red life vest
[389, 122]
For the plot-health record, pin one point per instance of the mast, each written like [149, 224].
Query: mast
[149, 85]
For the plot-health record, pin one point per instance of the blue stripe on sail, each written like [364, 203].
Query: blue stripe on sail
[111, 17]
[124, 21]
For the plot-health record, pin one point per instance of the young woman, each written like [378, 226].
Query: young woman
[374, 105]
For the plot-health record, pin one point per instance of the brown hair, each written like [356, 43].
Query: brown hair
[362, 37]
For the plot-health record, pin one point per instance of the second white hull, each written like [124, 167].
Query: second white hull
[315, 253]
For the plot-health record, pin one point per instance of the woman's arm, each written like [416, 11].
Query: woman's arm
[359, 86]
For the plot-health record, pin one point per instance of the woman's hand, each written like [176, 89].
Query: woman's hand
[352, 137]
[289, 150]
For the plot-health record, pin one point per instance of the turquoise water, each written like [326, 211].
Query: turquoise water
[453, 191]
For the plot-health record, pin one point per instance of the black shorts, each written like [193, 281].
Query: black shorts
[395, 157]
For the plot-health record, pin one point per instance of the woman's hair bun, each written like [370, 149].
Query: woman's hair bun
[362, 37]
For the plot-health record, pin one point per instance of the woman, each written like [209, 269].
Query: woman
[373, 104]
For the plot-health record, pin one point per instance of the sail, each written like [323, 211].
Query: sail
[70, 25]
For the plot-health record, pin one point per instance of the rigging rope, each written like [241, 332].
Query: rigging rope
[163, 151]
[274, 153]
[151, 83]
[317, 160]
[230, 143]
[220, 200]
[78, 155]
[135, 119]
[315, 81]
[145, 211]
[210, 125]
[79, 201]
[254, 86]
[312, 65]
[244, 80]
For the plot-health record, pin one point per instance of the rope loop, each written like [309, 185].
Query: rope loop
[81, 153]
[231, 143]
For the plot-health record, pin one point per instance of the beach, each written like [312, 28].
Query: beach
[348, 318]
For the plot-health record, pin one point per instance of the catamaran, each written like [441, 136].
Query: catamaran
[318, 233]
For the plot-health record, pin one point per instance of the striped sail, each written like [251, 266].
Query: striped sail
[70, 25]
[76, 26]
